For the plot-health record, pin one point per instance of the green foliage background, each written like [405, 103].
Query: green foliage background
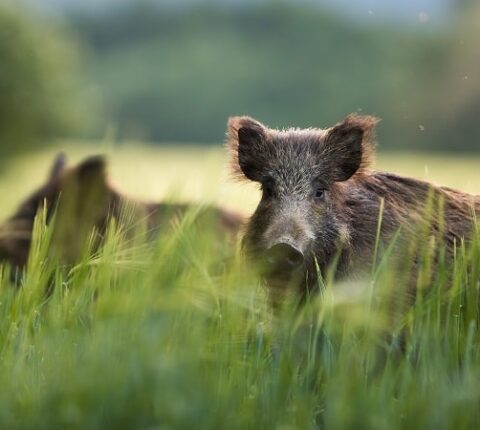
[177, 73]
[39, 94]
[165, 73]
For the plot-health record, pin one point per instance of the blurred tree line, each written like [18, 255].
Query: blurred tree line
[40, 97]
[176, 74]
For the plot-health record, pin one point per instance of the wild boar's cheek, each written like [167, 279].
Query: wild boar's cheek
[256, 227]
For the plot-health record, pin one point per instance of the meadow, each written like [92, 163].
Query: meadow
[176, 335]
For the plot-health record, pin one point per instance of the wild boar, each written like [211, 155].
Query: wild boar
[322, 204]
[82, 200]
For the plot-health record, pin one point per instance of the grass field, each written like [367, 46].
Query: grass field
[163, 336]
[200, 174]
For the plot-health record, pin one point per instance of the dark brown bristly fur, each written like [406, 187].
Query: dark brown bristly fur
[83, 200]
[321, 200]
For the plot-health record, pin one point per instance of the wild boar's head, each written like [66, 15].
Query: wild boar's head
[299, 221]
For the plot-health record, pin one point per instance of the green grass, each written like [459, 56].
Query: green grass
[174, 335]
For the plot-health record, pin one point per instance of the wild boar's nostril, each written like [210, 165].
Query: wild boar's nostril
[284, 257]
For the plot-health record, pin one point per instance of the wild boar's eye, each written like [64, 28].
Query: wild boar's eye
[320, 194]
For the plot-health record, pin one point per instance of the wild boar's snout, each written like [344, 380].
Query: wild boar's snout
[286, 241]
[283, 256]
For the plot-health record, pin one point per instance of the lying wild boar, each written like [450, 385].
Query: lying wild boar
[321, 201]
[82, 199]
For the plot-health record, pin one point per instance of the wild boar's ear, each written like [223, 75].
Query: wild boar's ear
[92, 169]
[84, 205]
[90, 176]
[84, 190]
[58, 166]
[349, 146]
[245, 139]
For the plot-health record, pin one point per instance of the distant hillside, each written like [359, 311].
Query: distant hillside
[163, 72]
[177, 75]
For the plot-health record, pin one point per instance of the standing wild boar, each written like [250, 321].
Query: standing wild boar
[321, 202]
[83, 200]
